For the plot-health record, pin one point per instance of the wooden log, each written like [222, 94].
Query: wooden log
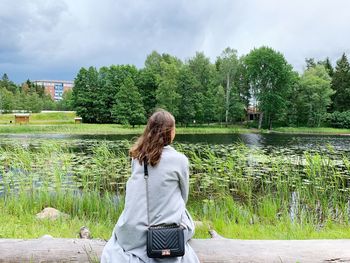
[217, 250]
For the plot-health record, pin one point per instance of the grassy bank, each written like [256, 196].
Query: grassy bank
[109, 129]
[46, 118]
[63, 123]
[308, 130]
[239, 192]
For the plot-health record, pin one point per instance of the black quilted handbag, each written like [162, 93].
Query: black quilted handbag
[163, 241]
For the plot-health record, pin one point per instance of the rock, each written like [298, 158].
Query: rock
[50, 213]
[84, 233]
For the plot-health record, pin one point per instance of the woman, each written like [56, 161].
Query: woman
[168, 184]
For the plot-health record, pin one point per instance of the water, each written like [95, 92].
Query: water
[287, 144]
[290, 146]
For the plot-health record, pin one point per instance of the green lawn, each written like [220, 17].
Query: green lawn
[42, 118]
[26, 225]
[308, 130]
[63, 123]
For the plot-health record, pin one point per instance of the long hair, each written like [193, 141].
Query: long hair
[156, 135]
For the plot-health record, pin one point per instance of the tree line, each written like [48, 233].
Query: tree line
[29, 97]
[199, 91]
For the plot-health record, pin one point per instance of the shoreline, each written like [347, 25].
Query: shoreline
[116, 129]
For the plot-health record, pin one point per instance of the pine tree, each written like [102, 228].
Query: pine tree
[85, 95]
[341, 85]
[328, 65]
[129, 108]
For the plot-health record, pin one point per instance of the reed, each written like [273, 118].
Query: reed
[240, 192]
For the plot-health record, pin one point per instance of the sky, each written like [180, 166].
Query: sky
[53, 39]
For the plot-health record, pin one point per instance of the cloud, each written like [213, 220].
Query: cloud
[53, 39]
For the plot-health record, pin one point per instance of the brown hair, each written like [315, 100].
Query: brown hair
[156, 135]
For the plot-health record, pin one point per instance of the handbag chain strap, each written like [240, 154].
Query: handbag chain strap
[145, 168]
[146, 179]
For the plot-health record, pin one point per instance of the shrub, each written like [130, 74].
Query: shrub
[339, 119]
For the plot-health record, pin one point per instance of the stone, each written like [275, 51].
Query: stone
[50, 213]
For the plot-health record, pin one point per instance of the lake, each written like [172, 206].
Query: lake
[269, 143]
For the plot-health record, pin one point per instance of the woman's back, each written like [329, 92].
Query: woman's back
[168, 183]
[166, 198]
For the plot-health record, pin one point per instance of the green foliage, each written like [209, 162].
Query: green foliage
[85, 95]
[28, 97]
[7, 100]
[227, 68]
[192, 91]
[214, 104]
[128, 108]
[270, 77]
[167, 95]
[314, 95]
[187, 86]
[236, 110]
[147, 84]
[341, 85]
[34, 103]
[6, 83]
[202, 70]
[110, 81]
[240, 192]
[67, 103]
[339, 119]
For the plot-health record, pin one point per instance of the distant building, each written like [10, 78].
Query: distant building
[253, 113]
[55, 88]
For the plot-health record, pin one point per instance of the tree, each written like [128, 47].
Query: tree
[328, 66]
[310, 63]
[7, 101]
[85, 97]
[49, 103]
[204, 74]
[67, 101]
[220, 101]
[187, 86]
[236, 106]
[242, 83]
[341, 85]
[293, 115]
[202, 70]
[227, 66]
[6, 83]
[270, 78]
[153, 61]
[214, 102]
[109, 82]
[129, 108]
[167, 95]
[34, 103]
[315, 94]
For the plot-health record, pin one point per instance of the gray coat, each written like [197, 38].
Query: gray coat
[168, 193]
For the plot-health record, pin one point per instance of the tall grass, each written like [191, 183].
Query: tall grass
[240, 192]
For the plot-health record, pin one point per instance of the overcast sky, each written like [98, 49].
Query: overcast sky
[53, 39]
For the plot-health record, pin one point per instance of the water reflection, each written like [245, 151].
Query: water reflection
[270, 143]
[252, 139]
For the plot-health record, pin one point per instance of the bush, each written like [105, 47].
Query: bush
[339, 119]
